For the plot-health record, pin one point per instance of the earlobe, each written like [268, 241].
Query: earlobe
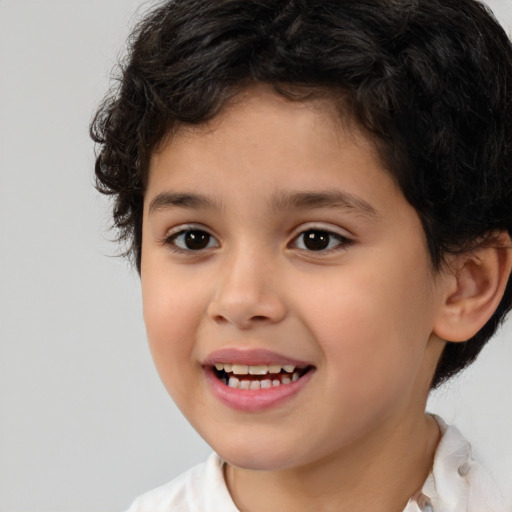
[475, 289]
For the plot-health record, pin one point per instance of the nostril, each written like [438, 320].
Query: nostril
[220, 319]
[259, 318]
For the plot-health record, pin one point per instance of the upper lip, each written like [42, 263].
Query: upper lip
[251, 357]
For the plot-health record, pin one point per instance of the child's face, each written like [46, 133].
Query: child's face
[274, 236]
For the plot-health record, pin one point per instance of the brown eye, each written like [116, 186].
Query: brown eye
[316, 240]
[193, 240]
[320, 240]
[196, 240]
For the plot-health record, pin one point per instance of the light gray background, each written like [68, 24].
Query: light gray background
[85, 424]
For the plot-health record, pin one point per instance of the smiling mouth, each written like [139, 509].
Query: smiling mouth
[241, 376]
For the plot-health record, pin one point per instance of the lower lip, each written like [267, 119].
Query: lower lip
[254, 400]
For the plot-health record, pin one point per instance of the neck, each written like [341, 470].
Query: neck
[380, 472]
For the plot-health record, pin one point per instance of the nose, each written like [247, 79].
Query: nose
[247, 294]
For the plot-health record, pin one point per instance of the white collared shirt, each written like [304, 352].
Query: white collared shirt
[456, 483]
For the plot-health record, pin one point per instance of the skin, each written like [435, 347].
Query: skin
[362, 313]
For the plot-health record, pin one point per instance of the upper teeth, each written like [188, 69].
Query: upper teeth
[243, 369]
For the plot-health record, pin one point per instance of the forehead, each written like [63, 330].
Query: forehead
[273, 146]
[259, 119]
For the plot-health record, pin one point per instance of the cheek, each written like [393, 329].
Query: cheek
[372, 327]
[171, 316]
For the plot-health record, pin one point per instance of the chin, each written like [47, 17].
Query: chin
[259, 456]
[255, 462]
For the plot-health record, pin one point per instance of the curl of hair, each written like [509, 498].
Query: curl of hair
[429, 80]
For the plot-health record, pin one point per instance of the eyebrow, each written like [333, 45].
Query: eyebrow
[323, 199]
[166, 200]
[279, 202]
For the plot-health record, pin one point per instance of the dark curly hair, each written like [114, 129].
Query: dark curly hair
[428, 80]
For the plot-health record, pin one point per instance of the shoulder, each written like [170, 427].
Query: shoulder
[201, 488]
[457, 482]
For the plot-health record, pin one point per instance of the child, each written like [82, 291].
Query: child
[318, 197]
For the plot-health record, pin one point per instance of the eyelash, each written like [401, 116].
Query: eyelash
[325, 236]
[342, 241]
[171, 239]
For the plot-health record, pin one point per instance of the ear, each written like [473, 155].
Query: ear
[474, 289]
